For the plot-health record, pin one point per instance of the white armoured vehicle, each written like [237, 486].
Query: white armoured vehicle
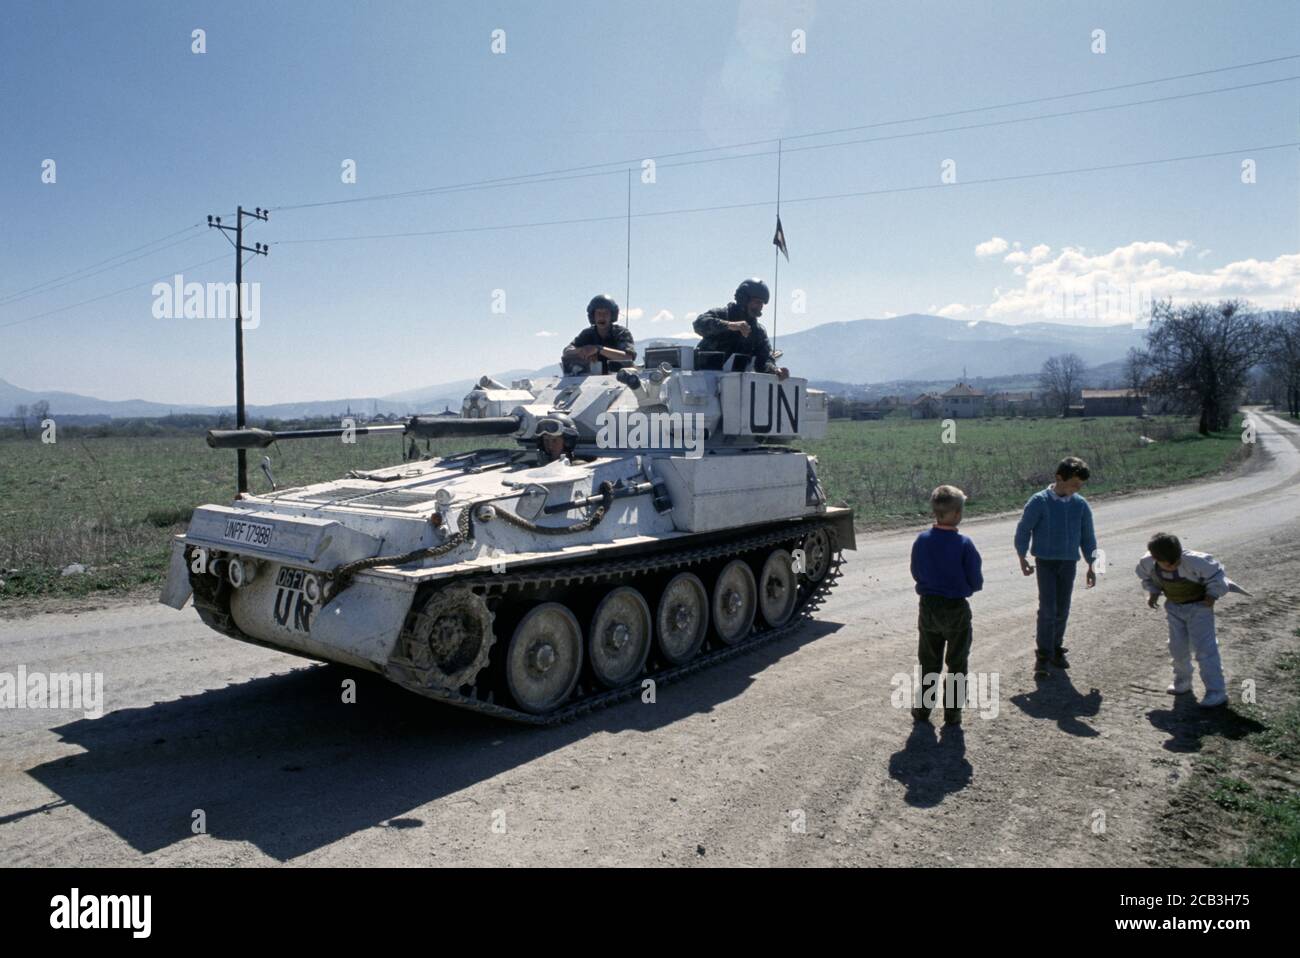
[675, 526]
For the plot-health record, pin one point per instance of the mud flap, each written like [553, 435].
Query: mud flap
[176, 590]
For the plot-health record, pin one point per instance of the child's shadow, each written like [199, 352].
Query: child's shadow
[931, 767]
[1058, 699]
[1187, 724]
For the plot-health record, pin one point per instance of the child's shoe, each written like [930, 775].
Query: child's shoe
[1213, 700]
[1040, 666]
[1179, 687]
[1059, 659]
[920, 715]
[952, 716]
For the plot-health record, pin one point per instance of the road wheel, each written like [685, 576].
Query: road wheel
[544, 658]
[778, 588]
[619, 639]
[735, 600]
[816, 555]
[682, 618]
[450, 638]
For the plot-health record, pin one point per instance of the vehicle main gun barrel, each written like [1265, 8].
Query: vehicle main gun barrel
[422, 427]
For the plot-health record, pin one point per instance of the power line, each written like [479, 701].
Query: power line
[1041, 116]
[543, 178]
[20, 294]
[1059, 96]
[521, 179]
[76, 279]
[787, 200]
[956, 129]
[116, 292]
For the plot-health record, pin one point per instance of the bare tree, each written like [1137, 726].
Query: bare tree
[1201, 354]
[1283, 362]
[1136, 367]
[1061, 379]
[20, 413]
[40, 411]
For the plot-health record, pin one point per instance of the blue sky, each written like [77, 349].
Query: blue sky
[149, 137]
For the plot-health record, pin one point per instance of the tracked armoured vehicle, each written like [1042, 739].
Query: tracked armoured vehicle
[677, 528]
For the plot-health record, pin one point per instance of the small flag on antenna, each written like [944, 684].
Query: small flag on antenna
[779, 239]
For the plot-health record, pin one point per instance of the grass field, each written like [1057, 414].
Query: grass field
[111, 504]
[885, 470]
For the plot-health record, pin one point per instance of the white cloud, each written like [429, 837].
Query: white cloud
[1035, 255]
[1120, 285]
[991, 247]
[546, 332]
[685, 334]
[663, 316]
[635, 312]
[952, 309]
[888, 315]
[690, 317]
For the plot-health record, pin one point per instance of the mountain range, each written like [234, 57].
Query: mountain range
[911, 348]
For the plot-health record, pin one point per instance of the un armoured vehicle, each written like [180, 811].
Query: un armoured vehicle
[677, 528]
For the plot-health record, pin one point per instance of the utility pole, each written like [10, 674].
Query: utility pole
[627, 291]
[258, 249]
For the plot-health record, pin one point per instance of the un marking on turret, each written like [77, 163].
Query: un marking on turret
[776, 411]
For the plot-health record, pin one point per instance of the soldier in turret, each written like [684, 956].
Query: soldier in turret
[735, 328]
[603, 340]
[556, 437]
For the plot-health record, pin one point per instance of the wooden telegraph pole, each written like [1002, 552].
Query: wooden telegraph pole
[258, 249]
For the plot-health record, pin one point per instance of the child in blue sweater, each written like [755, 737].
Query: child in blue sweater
[946, 568]
[1058, 521]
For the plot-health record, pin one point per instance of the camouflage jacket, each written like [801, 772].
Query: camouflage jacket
[620, 337]
[717, 338]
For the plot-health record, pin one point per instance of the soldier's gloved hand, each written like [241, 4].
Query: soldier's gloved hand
[739, 326]
[782, 374]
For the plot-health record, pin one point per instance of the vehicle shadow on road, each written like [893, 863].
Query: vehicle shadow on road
[282, 763]
[1187, 724]
[1057, 699]
[932, 764]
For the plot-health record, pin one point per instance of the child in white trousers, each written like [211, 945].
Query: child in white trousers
[1191, 583]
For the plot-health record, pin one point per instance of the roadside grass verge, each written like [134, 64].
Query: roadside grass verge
[1244, 795]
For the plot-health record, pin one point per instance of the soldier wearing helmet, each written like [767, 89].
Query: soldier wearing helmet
[602, 341]
[556, 437]
[734, 328]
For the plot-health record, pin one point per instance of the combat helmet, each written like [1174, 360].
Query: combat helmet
[749, 289]
[603, 301]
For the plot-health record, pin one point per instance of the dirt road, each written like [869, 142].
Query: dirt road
[791, 755]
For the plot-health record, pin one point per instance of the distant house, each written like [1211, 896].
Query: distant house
[962, 402]
[927, 406]
[1111, 402]
[1013, 404]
